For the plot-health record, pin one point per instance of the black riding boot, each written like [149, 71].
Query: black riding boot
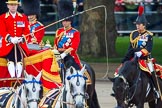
[154, 87]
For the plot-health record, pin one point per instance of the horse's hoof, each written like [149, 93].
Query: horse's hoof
[112, 94]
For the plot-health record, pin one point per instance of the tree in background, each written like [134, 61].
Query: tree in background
[93, 29]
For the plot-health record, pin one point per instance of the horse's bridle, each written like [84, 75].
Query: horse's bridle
[85, 95]
[127, 97]
[33, 81]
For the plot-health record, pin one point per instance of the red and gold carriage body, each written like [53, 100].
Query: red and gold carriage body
[40, 61]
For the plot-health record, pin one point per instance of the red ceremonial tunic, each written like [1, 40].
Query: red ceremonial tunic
[38, 35]
[18, 26]
[68, 39]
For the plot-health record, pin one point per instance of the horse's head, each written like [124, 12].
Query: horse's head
[128, 75]
[120, 88]
[77, 86]
[34, 90]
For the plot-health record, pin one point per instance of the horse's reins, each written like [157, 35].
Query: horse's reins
[127, 97]
[78, 13]
[136, 82]
[15, 48]
[52, 98]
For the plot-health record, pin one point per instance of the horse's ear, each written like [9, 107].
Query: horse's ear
[111, 79]
[71, 70]
[83, 69]
[38, 76]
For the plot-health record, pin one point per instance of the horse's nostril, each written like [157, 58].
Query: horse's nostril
[80, 105]
[74, 102]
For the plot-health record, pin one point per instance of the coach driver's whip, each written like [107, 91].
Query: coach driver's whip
[79, 13]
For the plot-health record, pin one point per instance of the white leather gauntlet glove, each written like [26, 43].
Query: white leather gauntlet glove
[20, 39]
[63, 55]
[14, 40]
[138, 54]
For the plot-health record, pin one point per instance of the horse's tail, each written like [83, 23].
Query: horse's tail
[95, 100]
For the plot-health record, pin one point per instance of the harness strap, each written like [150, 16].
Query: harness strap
[122, 77]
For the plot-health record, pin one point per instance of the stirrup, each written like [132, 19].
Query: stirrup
[156, 93]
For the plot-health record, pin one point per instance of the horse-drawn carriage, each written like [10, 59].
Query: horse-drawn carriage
[40, 61]
[77, 90]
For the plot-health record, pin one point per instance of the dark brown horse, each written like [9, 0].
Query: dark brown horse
[133, 87]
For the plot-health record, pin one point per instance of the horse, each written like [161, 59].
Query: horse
[133, 87]
[27, 95]
[71, 95]
[92, 101]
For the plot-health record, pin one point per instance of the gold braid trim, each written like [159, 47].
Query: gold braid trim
[3, 62]
[54, 66]
[134, 41]
[144, 52]
[56, 99]
[9, 101]
[53, 78]
[43, 56]
[150, 33]
[144, 68]
[45, 90]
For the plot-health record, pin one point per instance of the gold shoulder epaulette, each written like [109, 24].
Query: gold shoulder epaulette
[7, 14]
[130, 36]
[19, 14]
[150, 33]
[133, 41]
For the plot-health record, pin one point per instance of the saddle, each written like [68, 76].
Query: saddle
[143, 66]
[88, 81]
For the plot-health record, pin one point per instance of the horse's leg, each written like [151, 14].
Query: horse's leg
[152, 104]
[140, 105]
[95, 100]
[159, 103]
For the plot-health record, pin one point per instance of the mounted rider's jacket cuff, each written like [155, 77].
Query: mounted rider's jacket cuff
[67, 51]
[23, 39]
[144, 52]
[8, 38]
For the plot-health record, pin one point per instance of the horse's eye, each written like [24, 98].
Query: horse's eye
[41, 92]
[27, 90]
[71, 88]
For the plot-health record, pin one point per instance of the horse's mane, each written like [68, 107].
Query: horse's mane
[128, 66]
[69, 61]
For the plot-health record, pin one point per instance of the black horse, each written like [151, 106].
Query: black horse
[133, 87]
[92, 101]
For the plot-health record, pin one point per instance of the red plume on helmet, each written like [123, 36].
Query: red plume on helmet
[141, 19]
[140, 10]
